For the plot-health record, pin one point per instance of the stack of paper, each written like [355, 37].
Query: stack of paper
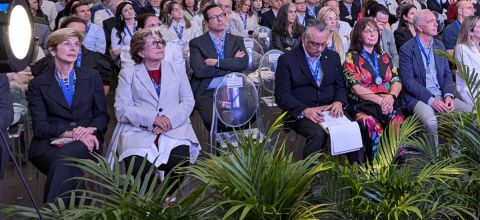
[345, 135]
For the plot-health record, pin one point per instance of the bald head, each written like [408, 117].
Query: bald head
[464, 9]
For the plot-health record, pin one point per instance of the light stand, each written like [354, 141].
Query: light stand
[16, 52]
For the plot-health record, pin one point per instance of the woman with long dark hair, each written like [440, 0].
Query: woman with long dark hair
[286, 31]
[190, 7]
[374, 83]
[124, 28]
[405, 30]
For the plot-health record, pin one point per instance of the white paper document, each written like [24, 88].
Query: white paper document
[344, 134]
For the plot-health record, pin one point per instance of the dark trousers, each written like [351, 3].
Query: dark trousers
[316, 139]
[314, 134]
[204, 105]
[179, 156]
[59, 174]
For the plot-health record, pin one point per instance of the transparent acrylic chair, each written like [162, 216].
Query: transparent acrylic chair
[255, 53]
[264, 37]
[235, 103]
[266, 76]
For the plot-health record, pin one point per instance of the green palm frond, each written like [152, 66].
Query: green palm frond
[117, 196]
[259, 180]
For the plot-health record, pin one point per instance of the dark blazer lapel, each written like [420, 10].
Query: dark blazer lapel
[324, 59]
[438, 64]
[228, 52]
[55, 92]
[210, 47]
[302, 60]
[81, 86]
[419, 59]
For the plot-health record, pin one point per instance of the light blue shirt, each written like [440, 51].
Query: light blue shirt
[312, 63]
[431, 80]
[95, 38]
[301, 20]
[217, 80]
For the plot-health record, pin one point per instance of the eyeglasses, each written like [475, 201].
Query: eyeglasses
[156, 44]
[317, 45]
[69, 44]
[217, 17]
[370, 31]
[301, 3]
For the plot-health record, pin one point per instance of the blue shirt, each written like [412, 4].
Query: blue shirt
[312, 63]
[217, 80]
[450, 35]
[95, 38]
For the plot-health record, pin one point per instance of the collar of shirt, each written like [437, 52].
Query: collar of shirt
[174, 23]
[214, 39]
[309, 58]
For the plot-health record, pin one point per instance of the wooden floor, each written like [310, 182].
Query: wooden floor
[13, 192]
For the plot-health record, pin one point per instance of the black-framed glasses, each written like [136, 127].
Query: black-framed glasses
[318, 45]
[156, 44]
[216, 17]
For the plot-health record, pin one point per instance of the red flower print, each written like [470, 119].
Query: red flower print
[385, 58]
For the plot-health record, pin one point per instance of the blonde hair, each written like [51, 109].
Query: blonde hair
[61, 35]
[336, 38]
[467, 27]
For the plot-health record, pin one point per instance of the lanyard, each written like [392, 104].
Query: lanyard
[374, 65]
[349, 10]
[108, 12]
[67, 90]
[79, 58]
[316, 72]
[179, 31]
[311, 12]
[219, 48]
[128, 30]
[156, 86]
[244, 20]
[88, 29]
[427, 56]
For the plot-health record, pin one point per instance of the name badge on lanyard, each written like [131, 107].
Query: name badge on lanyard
[316, 71]
[130, 33]
[220, 48]
[374, 65]
[424, 53]
[244, 20]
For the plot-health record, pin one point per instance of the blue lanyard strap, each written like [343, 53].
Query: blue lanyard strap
[179, 31]
[128, 30]
[316, 71]
[374, 65]
[219, 48]
[67, 90]
[424, 53]
[244, 20]
[88, 28]
[79, 58]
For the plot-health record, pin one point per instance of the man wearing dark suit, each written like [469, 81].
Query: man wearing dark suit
[212, 56]
[108, 25]
[437, 5]
[308, 81]
[6, 118]
[268, 17]
[426, 77]
[349, 11]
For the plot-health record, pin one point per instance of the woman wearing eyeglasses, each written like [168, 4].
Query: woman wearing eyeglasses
[153, 103]
[374, 82]
[69, 114]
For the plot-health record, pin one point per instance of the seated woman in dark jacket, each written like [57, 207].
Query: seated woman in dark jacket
[405, 30]
[286, 31]
[69, 114]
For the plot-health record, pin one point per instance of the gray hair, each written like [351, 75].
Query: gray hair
[419, 17]
[319, 26]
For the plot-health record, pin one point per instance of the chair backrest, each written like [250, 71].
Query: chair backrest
[268, 66]
[264, 37]
[254, 52]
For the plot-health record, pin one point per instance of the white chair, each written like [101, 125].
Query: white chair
[266, 76]
[254, 52]
[264, 37]
[235, 103]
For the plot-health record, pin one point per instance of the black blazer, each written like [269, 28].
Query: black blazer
[280, 42]
[6, 118]
[51, 115]
[90, 59]
[202, 48]
[267, 19]
[402, 35]
[344, 13]
[434, 6]
[108, 25]
[295, 88]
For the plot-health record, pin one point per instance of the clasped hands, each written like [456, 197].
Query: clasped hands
[161, 124]
[86, 135]
[387, 103]
[443, 106]
[315, 114]
[213, 62]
